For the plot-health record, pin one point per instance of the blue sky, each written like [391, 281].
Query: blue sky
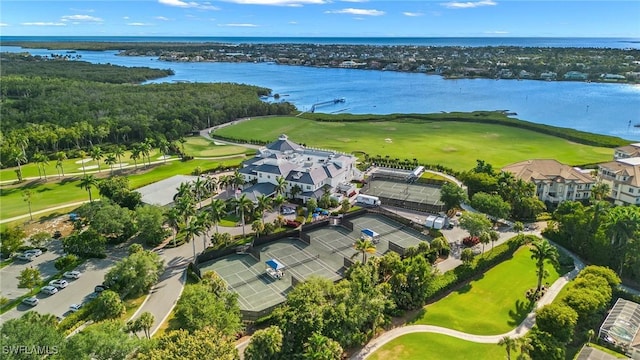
[346, 18]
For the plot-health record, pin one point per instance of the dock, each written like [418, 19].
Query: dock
[324, 103]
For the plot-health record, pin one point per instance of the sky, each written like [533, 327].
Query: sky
[321, 18]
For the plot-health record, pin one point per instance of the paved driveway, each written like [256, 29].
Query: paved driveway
[45, 263]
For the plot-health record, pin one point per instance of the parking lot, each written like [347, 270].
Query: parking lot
[78, 291]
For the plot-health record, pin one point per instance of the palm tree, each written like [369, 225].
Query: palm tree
[164, 149]
[87, 182]
[194, 228]
[295, 190]
[600, 190]
[186, 207]
[278, 201]
[199, 190]
[244, 205]
[281, 185]
[541, 252]
[223, 182]
[173, 218]
[184, 189]
[136, 150]
[518, 227]
[60, 157]
[590, 335]
[145, 150]
[485, 238]
[96, 155]
[205, 220]
[364, 246]
[524, 346]
[110, 160]
[237, 179]
[258, 227]
[42, 160]
[211, 186]
[146, 320]
[118, 151]
[218, 210]
[509, 345]
[493, 236]
[263, 205]
[26, 195]
[20, 158]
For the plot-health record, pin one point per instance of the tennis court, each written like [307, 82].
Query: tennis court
[324, 256]
[417, 193]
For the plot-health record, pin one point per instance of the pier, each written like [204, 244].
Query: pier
[324, 103]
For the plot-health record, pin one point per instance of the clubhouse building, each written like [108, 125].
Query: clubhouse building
[308, 172]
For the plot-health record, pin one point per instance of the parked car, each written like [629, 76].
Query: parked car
[100, 288]
[35, 252]
[288, 211]
[72, 274]
[26, 257]
[75, 307]
[50, 290]
[57, 234]
[31, 301]
[59, 283]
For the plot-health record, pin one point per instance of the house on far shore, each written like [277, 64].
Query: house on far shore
[555, 182]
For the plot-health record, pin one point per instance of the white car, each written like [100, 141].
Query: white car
[50, 290]
[26, 257]
[31, 301]
[72, 274]
[75, 307]
[35, 252]
[59, 283]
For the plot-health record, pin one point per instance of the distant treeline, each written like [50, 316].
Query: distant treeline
[50, 114]
[62, 67]
[483, 117]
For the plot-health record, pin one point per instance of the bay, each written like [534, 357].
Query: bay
[610, 109]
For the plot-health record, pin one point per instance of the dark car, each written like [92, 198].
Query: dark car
[100, 288]
[57, 234]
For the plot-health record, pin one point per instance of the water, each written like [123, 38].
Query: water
[610, 109]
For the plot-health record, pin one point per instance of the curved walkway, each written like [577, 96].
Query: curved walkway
[519, 331]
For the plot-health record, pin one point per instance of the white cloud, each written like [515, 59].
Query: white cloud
[4, 24]
[355, 1]
[293, 22]
[82, 10]
[292, 3]
[161, 18]
[84, 18]
[40, 23]
[139, 24]
[409, 13]
[352, 11]
[125, 17]
[238, 25]
[189, 4]
[468, 4]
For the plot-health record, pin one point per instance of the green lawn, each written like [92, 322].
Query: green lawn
[45, 195]
[493, 304]
[453, 144]
[420, 346]
[201, 147]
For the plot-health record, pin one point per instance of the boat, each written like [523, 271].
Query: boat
[637, 125]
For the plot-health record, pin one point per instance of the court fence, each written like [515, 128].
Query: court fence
[396, 248]
[402, 200]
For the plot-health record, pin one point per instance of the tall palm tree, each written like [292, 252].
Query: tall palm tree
[145, 150]
[42, 160]
[518, 227]
[278, 201]
[509, 345]
[96, 155]
[26, 196]
[494, 236]
[263, 205]
[541, 252]
[20, 158]
[237, 179]
[244, 205]
[281, 185]
[60, 157]
[186, 207]
[118, 151]
[184, 189]
[173, 219]
[194, 228]
[136, 150]
[364, 246]
[223, 182]
[258, 227]
[211, 186]
[205, 220]
[218, 210]
[199, 190]
[523, 344]
[87, 182]
[164, 149]
[110, 159]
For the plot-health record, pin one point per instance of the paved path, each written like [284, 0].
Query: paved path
[45, 210]
[519, 331]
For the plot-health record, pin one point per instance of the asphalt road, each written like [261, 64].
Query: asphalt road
[93, 271]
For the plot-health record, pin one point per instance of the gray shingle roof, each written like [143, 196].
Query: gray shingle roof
[283, 144]
[162, 192]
